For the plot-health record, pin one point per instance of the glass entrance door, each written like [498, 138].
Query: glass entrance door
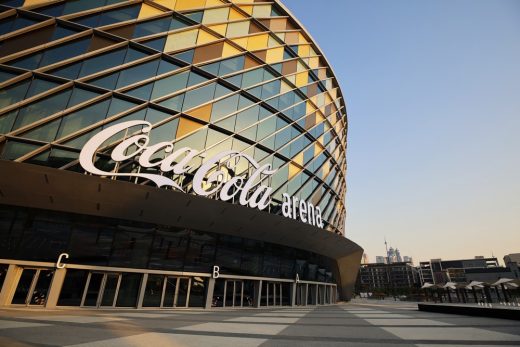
[234, 293]
[176, 292]
[33, 287]
[101, 289]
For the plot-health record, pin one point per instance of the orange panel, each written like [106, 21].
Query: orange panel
[203, 112]
[187, 126]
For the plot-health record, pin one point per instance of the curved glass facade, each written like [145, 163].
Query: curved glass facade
[207, 74]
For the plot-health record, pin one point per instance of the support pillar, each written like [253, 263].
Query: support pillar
[11, 280]
[142, 290]
[209, 293]
[54, 291]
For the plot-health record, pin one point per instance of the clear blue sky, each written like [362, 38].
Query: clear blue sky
[433, 100]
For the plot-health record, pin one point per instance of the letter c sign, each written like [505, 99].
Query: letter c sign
[59, 264]
[216, 271]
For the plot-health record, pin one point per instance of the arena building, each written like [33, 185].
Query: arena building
[169, 153]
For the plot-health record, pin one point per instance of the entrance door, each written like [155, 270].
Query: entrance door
[101, 289]
[176, 292]
[234, 293]
[33, 287]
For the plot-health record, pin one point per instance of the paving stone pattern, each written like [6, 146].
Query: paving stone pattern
[353, 324]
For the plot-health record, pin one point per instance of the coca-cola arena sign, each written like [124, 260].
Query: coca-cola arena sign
[209, 178]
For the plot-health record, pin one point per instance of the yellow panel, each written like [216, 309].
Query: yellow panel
[301, 39]
[319, 117]
[241, 42]
[203, 112]
[148, 11]
[34, 2]
[205, 37]
[238, 29]
[326, 168]
[272, 42]
[310, 108]
[292, 79]
[317, 149]
[181, 40]
[229, 50]
[262, 11]
[257, 42]
[302, 78]
[284, 87]
[213, 3]
[234, 14]
[166, 3]
[246, 8]
[182, 5]
[304, 50]
[186, 126]
[215, 15]
[293, 170]
[219, 28]
[298, 159]
[314, 62]
[274, 55]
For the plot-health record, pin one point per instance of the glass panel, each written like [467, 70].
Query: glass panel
[153, 291]
[182, 295]
[137, 73]
[39, 294]
[109, 292]
[198, 292]
[169, 292]
[93, 289]
[72, 289]
[128, 290]
[230, 288]
[14, 93]
[23, 287]
[3, 273]
[170, 85]
[42, 108]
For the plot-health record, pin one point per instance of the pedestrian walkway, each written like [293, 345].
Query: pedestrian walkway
[359, 324]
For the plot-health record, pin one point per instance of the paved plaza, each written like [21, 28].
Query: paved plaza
[352, 324]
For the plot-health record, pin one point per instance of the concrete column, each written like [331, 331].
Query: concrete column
[306, 301]
[258, 292]
[142, 290]
[209, 293]
[8, 288]
[54, 291]
[293, 293]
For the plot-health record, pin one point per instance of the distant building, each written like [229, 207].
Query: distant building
[380, 259]
[512, 258]
[463, 270]
[407, 259]
[387, 277]
[364, 259]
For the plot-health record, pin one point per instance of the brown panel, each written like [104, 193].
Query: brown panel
[253, 28]
[261, 54]
[99, 42]
[126, 31]
[209, 52]
[28, 40]
[250, 62]
[289, 67]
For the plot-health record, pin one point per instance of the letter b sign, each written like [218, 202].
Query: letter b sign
[216, 271]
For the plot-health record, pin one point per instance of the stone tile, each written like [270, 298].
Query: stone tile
[237, 328]
[450, 333]
[411, 322]
[184, 340]
[76, 319]
[9, 324]
[256, 319]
